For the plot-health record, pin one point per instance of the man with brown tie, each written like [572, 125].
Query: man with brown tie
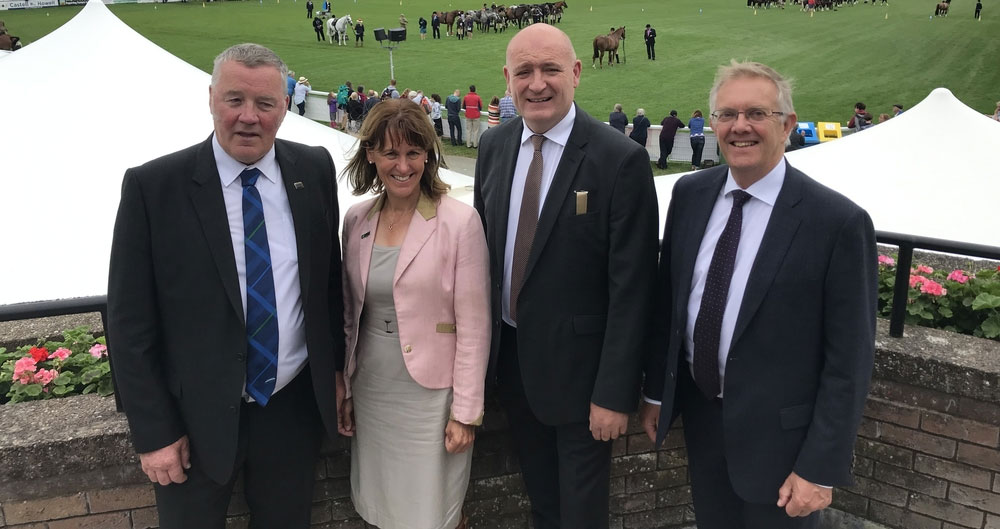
[570, 214]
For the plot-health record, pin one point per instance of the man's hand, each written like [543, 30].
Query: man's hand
[649, 418]
[167, 465]
[801, 498]
[606, 424]
[458, 437]
[345, 418]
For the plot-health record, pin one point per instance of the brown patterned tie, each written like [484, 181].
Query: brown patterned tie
[527, 222]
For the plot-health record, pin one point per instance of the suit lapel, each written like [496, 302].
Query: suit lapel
[563, 179]
[508, 160]
[421, 228]
[701, 201]
[366, 225]
[210, 206]
[297, 188]
[778, 237]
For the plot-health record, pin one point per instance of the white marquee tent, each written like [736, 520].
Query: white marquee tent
[115, 104]
[123, 101]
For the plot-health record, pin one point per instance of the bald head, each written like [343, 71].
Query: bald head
[542, 74]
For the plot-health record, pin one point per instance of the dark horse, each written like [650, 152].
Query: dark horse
[941, 10]
[448, 18]
[607, 43]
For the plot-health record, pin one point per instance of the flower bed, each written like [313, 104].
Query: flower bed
[957, 301]
[74, 366]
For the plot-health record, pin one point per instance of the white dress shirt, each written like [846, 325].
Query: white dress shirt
[756, 214]
[552, 149]
[283, 248]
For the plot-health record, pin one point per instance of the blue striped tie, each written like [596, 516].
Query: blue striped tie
[262, 312]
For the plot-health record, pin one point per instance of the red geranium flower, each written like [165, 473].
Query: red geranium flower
[40, 354]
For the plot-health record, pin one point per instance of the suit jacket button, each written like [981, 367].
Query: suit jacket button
[407, 349]
[239, 356]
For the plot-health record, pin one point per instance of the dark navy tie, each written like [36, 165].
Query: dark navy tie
[708, 325]
[262, 312]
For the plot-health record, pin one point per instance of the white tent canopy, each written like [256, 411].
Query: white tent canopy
[929, 172]
[116, 104]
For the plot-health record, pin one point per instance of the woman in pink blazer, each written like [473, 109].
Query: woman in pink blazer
[417, 317]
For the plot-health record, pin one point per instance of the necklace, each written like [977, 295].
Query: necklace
[400, 216]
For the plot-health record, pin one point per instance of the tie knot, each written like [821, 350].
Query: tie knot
[740, 197]
[536, 140]
[249, 176]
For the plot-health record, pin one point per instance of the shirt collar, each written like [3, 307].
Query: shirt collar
[230, 168]
[559, 133]
[425, 206]
[766, 189]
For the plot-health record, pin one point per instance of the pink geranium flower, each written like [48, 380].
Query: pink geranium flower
[885, 260]
[916, 280]
[923, 269]
[62, 354]
[98, 350]
[45, 376]
[958, 275]
[24, 370]
[933, 288]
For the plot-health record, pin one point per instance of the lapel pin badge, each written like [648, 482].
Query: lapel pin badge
[298, 185]
[365, 234]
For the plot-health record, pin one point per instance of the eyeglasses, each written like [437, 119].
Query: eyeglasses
[755, 115]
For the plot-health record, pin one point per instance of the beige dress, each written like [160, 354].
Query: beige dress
[401, 475]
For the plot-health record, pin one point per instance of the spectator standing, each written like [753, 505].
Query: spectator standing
[507, 109]
[355, 110]
[435, 25]
[493, 113]
[422, 24]
[861, 119]
[301, 89]
[617, 119]
[309, 9]
[897, 109]
[640, 127]
[668, 130]
[359, 33]
[402, 21]
[290, 80]
[331, 102]
[650, 37]
[391, 90]
[436, 115]
[452, 104]
[796, 140]
[372, 100]
[697, 126]
[362, 94]
[473, 107]
[318, 28]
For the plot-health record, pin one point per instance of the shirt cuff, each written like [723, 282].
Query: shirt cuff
[651, 401]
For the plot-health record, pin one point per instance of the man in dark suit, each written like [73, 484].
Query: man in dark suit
[650, 36]
[765, 320]
[569, 210]
[225, 308]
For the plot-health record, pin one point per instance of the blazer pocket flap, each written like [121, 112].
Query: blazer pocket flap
[447, 328]
[589, 323]
[796, 416]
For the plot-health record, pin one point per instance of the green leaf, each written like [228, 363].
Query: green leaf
[61, 390]
[105, 387]
[89, 388]
[33, 390]
[986, 301]
[62, 380]
[946, 312]
[991, 327]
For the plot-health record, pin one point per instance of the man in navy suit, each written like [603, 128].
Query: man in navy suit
[765, 320]
[209, 392]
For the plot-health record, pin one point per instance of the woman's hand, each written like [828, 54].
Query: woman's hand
[345, 418]
[458, 437]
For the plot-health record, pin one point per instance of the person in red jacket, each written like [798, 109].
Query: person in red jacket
[473, 107]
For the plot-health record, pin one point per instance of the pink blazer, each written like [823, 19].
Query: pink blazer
[441, 292]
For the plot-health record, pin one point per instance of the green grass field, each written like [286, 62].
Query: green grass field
[879, 55]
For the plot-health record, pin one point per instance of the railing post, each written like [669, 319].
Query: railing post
[900, 291]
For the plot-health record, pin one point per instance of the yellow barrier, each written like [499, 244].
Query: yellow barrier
[828, 130]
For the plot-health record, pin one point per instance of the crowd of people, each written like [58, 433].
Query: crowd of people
[246, 324]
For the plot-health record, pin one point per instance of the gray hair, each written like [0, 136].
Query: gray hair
[249, 55]
[640, 112]
[753, 70]
[618, 107]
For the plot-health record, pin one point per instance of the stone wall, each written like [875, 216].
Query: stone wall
[927, 457]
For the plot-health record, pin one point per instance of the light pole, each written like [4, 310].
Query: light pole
[390, 41]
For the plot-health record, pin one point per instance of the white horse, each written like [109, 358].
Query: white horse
[340, 26]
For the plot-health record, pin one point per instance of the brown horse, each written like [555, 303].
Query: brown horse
[607, 43]
[942, 9]
[448, 19]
